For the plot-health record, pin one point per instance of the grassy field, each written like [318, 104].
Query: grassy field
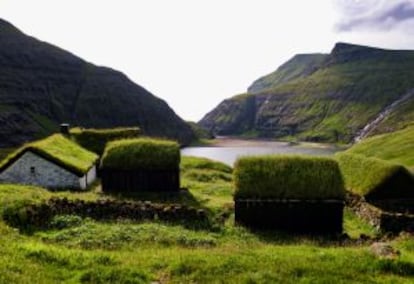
[82, 250]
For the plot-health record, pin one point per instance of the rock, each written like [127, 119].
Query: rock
[384, 250]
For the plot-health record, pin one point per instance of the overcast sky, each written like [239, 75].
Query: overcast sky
[195, 53]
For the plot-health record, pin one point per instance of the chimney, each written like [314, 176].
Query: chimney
[64, 128]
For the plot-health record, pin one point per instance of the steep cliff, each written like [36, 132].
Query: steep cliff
[42, 85]
[332, 101]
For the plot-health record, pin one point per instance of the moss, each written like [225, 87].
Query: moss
[141, 153]
[288, 177]
[95, 139]
[60, 150]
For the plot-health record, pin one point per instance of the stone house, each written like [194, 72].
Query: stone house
[54, 162]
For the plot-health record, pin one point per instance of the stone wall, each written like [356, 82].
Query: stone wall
[88, 179]
[386, 221]
[35, 170]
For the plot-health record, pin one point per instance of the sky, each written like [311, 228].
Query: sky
[195, 53]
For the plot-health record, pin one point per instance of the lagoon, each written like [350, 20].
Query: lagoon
[227, 150]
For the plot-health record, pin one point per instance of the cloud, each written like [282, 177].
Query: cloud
[374, 14]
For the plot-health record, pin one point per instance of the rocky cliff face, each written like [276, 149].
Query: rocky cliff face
[42, 85]
[326, 98]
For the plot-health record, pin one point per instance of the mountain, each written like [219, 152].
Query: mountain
[301, 65]
[355, 90]
[42, 86]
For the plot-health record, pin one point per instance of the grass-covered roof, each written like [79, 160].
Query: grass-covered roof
[288, 177]
[375, 178]
[59, 150]
[141, 153]
[396, 147]
[95, 139]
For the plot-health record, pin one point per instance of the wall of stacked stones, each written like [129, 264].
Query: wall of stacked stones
[35, 170]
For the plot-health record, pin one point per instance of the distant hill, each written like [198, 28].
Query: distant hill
[42, 85]
[324, 97]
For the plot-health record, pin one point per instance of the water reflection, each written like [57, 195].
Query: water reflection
[228, 152]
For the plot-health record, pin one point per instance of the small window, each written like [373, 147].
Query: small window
[32, 170]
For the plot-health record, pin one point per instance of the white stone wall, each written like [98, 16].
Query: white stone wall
[91, 175]
[35, 170]
[89, 178]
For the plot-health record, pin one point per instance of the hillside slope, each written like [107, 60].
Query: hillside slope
[301, 65]
[42, 85]
[397, 147]
[343, 92]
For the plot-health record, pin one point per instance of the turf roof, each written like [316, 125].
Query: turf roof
[288, 177]
[95, 139]
[141, 154]
[375, 178]
[59, 150]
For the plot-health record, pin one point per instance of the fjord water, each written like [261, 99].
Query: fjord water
[228, 150]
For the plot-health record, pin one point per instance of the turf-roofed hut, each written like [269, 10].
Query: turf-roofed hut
[95, 139]
[384, 184]
[54, 162]
[289, 193]
[142, 164]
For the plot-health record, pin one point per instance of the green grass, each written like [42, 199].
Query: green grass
[87, 251]
[141, 153]
[396, 147]
[95, 139]
[369, 176]
[297, 67]
[61, 150]
[293, 177]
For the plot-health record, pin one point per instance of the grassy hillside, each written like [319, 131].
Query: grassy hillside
[77, 250]
[300, 65]
[42, 86]
[348, 90]
[397, 147]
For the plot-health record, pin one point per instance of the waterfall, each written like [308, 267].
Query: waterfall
[380, 117]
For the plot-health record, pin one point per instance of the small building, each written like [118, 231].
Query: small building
[54, 162]
[289, 193]
[141, 164]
